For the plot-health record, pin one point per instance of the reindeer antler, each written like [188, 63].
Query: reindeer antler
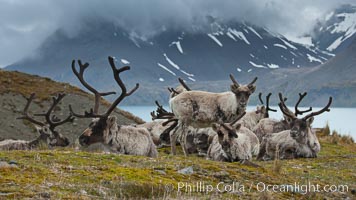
[181, 81]
[284, 108]
[161, 113]
[297, 111]
[53, 121]
[234, 80]
[93, 113]
[325, 109]
[26, 115]
[260, 98]
[80, 76]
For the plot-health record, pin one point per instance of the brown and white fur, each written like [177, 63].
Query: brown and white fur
[121, 139]
[299, 142]
[201, 109]
[233, 143]
[251, 119]
[45, 137]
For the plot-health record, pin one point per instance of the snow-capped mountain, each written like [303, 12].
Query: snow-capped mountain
[336, 31]
[198, 55]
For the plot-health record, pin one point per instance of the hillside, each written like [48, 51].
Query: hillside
[15, 86]
[70, 174]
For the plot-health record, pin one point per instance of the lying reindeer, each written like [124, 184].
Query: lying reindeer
[232, 143]
[251, 119]
[269, 126]
[201, 109]
[104, 128]
[47, 133]
[298, 142]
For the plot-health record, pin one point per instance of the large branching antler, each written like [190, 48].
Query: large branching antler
[297, 111]
[161, 113]
[26, 115]
[93, 113]
[267, 105]
[285, 110]
[53, 121]
[80, 76]
[325, 109]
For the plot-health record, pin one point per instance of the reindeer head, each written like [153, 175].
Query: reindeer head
[99, 130]
[102, 125]
[227, 133]
[46, 130]
[52, 138]
[262, 111]
[301, 127]
[242, 92]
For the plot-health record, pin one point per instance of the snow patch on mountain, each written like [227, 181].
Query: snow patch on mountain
[165, 68]
[256, 65]
[239, 35]
[255, 32]
[273, 66]
[125, 62]
[215, 39]
[312, 59]
[280, 45]
[288, 44]
[178, 45]
[171, 62]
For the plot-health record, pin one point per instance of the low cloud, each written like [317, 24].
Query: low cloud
[24, 25]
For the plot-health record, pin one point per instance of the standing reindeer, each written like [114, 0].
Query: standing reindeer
[251, 119]
[298, 142]
[104, 128]
[268, 126]
[47, 133]
[201, 109]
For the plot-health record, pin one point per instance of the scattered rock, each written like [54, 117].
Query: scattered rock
[186, 171]
[161, 171]
[13, 162]
[83, 192]
[4, 164]
[353, 191]
[221, 174]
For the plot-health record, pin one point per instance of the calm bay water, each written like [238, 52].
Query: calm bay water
[339, 119]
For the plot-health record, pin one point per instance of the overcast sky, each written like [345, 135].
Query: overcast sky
[24, 24]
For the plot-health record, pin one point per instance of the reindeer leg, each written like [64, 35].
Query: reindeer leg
[184, 140]
[173, 139]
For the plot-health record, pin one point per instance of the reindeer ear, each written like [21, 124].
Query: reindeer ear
[112, 119]
[237, 126]
[234, 88]
[252, 88]
[310, 120]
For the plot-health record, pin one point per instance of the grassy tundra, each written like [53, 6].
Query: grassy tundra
[70, 174]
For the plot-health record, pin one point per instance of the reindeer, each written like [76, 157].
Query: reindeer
[268, 126]
[200, 109]
[46, 130]
[232, 143]
[298, 142]
[251, 119]
[104, 128]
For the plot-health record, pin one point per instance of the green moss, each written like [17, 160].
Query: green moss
[69, 174]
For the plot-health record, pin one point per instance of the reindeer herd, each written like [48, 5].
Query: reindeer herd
[213, 125]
